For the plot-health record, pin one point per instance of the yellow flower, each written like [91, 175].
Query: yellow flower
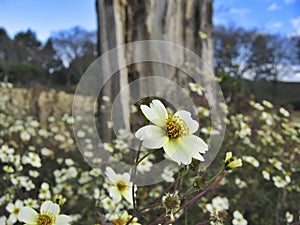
[232, 162]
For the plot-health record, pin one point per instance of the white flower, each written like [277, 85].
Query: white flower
[218, 204]
[44, 191]
[284, 112]
[276, 163]
[279, 182]
[245, 130]
[171, 132]
[49, 215]
[25, 136]
[31, 203]
[196, 87]
[120, 185]
[14, 210]
[240, 183]
[47, 152]
[267, 104]
[250, 159]
[238, 218]
[80, 134]
[267, 117]
[109, 205]
[144, 166]
[6, 153]
[266, 174]
[203, 111]
[256, 106]
[108, 147]
[32, 159]
[168, 174]
[289, 217]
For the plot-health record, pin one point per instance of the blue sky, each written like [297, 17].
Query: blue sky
[47, 16]
[274, 16]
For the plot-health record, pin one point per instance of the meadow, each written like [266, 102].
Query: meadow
[253, 180]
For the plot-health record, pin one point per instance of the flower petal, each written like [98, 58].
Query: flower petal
[156, 113]
[153, 137]
[10, 207]
[128, 195]
[114, 193]
[50, 207]
[195, 143]
[178, 154]
[111, 175]
[193, 125]
[155, 143]
[63, 220]
[28, 216]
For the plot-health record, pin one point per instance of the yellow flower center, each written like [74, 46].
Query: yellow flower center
[118, 222]
[16, 210]
[176, 127]
[45, 220]
[122, 186]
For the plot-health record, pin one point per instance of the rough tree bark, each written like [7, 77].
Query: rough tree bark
[124, 21]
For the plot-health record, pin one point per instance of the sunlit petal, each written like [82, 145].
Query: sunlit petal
[62, 220]
[115, 194]
[150, 131]
[50, 207]
[178, 154]
[156, 113]
[28, 216]
[128, 195]
[195, 143]
[155, 143]
[111, 175]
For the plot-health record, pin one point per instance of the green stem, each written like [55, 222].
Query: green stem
[145, 156]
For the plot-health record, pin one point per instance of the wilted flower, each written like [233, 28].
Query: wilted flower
[172, 132]
[171, 202]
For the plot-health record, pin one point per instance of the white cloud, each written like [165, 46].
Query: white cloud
[289, 1]
[296, 25]
[273, 7]
[276, 25]
[240, 12]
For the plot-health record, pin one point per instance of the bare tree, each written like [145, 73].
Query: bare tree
[188, 23]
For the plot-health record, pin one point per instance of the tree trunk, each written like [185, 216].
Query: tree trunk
[124, 21]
